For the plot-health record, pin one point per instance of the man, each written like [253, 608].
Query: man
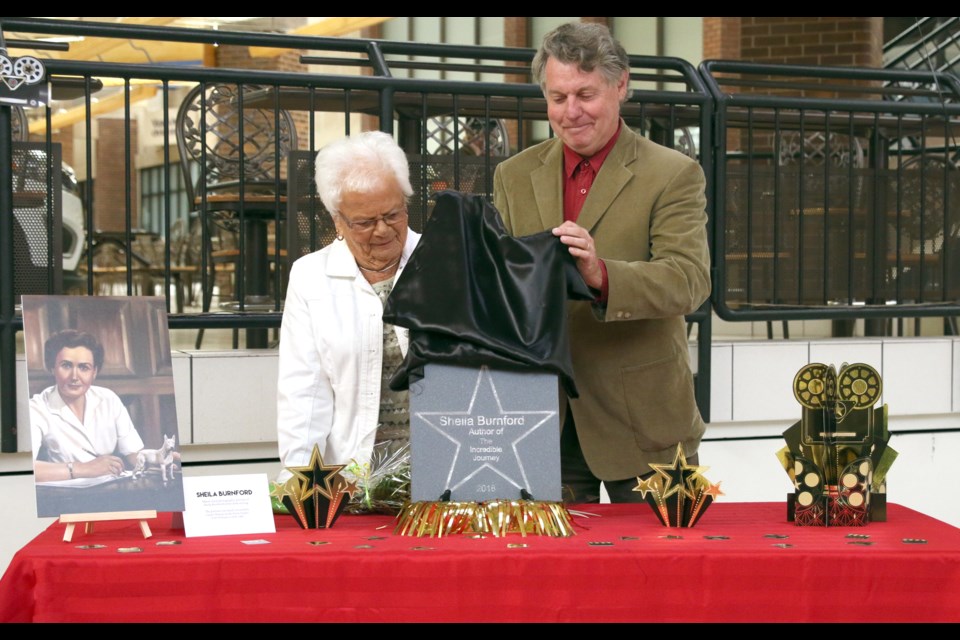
[633, 215]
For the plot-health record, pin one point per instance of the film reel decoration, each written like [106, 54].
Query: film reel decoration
[852, 504]
[809, 482]
[845, 504]
[816, 385]
[810, 385]
[21, 81]
[810, 509]
[28, 68]
[854, 488]
[859, 384]
[16, 72]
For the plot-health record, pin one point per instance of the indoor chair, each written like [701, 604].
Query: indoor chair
[233, 169]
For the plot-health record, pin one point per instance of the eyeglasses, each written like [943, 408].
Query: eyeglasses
[368, 224]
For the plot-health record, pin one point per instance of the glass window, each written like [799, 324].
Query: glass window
[153, 198]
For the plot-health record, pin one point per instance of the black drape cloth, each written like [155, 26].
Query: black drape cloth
[471, 295]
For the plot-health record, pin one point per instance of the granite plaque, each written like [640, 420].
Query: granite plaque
[483, 434]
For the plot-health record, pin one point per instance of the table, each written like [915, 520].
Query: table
[622, 566]
[152, 273]
[255, 213]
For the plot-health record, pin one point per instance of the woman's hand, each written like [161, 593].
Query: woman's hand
[99, 466]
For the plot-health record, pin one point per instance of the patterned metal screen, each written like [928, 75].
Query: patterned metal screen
[37, 231]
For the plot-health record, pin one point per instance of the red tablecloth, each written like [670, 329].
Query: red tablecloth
[622, 565]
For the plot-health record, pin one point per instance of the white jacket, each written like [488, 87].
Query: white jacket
[331, 353]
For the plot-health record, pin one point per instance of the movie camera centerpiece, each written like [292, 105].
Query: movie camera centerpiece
[837, 456]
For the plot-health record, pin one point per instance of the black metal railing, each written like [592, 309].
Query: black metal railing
[830, 196]
[438, 121]
[833, 198]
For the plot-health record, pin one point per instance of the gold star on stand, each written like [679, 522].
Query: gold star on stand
[291, 490]
[351, 488]
[679, 475]
[278, 490]
[315, 470]
[713, 491]
[647, 485]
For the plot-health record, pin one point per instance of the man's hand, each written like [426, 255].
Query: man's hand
[582, 248]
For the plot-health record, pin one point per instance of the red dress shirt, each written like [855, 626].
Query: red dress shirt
[578, 176]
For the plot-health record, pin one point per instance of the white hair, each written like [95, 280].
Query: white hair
[360, 163]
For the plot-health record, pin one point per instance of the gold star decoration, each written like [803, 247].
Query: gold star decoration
[351, 488]
[316, 470]
[679, 476]
[317, 487]
[647, 485]
[291, 495]
[713, 491]
[678, 492]
[278, 490]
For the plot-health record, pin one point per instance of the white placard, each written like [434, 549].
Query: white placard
[227, 505]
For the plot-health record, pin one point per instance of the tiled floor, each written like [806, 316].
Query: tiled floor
[213, 339]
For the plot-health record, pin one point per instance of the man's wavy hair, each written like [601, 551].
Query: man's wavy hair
[586, 44]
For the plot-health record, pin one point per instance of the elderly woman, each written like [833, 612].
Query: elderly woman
[79, 430]
[336, 354]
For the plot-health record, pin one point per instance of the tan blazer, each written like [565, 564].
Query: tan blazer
[646, 213]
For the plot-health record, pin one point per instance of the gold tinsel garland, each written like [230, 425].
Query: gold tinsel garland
[494, 517]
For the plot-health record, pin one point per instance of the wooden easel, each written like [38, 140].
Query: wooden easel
[89, 518]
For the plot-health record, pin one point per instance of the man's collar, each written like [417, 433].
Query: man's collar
[571, 158]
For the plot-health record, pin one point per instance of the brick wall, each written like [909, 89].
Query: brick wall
[516, 33]
[64, 138]
[721, 38]
[813, 40]
[238, 57]
[835, 41]
[109, 189]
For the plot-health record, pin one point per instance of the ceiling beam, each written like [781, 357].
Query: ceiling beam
[156, 51]
[126, 50]
[98, 48]
[328, 27]
[103, 106]
[133, 52]
[153, 51]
